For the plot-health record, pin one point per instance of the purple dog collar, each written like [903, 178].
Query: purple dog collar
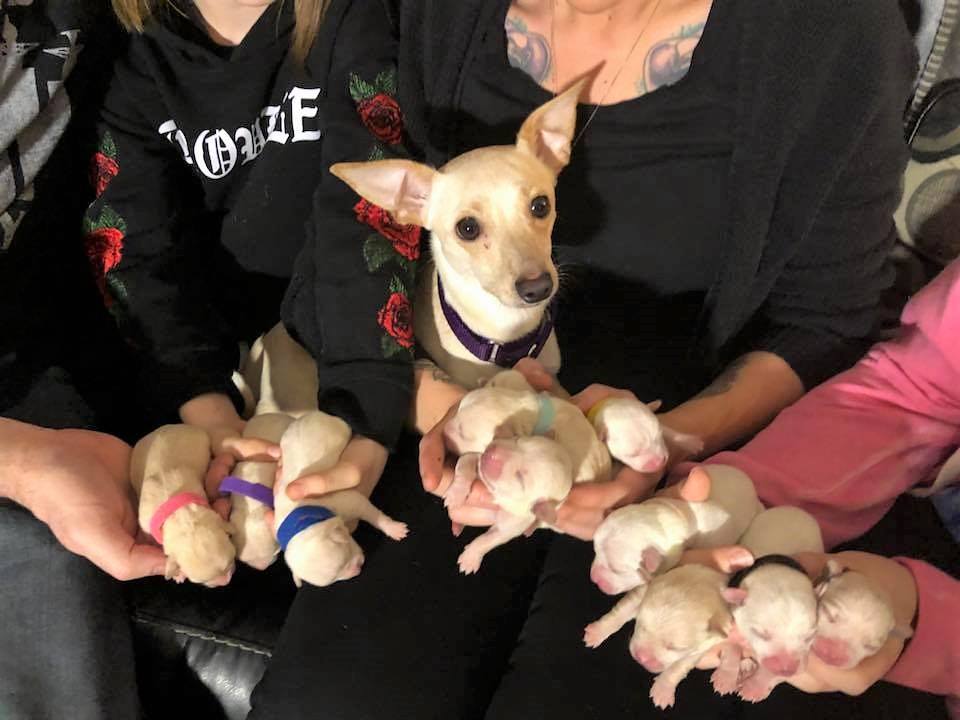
[504, 355]
[239, 486]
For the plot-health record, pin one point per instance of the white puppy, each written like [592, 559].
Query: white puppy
[508, 407]
[167, 468]
[774, 603]
[313, 532]
[249, 515]
[528, 478]
[855, 618]
[634, 436]
[637, 541]
[680, 616]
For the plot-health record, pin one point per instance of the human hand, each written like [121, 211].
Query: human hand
[360, 466]
[77, 483]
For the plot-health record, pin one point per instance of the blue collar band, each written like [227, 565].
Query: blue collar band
[299, 519]
[546, 416]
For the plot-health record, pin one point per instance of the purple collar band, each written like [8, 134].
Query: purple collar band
[504, 355]
[239, 486]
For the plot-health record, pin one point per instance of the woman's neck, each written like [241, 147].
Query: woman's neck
[602, 13]
[227, 22]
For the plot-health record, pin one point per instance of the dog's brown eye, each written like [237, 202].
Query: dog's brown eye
[540, 206]
[468, 228]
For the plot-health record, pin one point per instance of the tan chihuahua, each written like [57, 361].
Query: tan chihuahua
[484, 302]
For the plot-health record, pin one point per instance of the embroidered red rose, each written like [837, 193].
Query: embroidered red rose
[404, 238]
[396, 317]
[104, 249]
[102, 170]
[381, 116]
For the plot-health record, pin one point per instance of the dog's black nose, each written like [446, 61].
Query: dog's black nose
[533, 290]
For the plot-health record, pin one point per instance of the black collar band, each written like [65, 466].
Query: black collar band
[738, 577]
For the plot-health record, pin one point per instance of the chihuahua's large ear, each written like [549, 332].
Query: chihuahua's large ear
[401, 187]
[548, 132]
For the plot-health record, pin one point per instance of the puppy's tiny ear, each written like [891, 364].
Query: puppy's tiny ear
[547, 133]
[734, 596]
[720, 623]
[297, 581]
[654, 406]
[687, 444]
[650, 560]
[401, 187]
[831, 570]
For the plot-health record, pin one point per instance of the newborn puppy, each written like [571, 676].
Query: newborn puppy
[506, 408]
[637, 541]
[528, 478]
[855, 618]
[252, 530]
[313, 532]
[167, 468]
[679, 616]
[634, 435]
[774, 603]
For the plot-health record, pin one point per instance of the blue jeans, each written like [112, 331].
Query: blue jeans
[66, 651]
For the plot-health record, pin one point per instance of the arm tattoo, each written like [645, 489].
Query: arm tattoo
[527, 50]
[669, 60]
[726, 379]
[435, 372]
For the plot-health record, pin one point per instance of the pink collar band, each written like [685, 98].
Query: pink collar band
[169, 507]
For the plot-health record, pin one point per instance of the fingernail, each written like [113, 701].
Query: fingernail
[274, 452]
[295, 492]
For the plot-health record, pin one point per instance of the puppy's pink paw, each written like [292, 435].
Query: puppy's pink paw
[724, 681]
[395, 530]
[663, 693]
[594, 635]
[753, 691]
[469, 561]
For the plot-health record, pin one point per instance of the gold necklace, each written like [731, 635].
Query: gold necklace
[556, 81]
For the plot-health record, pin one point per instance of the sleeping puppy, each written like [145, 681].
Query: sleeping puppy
[508, 407]
[679, 617]
[528, 477]
[854, 618]
[250, 516]
[167, 468]
[635, 542]
[312, 532]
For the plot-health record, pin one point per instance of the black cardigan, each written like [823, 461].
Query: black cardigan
[814, 178]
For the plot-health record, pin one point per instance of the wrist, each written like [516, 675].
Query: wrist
[434, 395]
[211, 410]
[20, 449]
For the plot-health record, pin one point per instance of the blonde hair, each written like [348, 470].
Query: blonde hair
[308, 14]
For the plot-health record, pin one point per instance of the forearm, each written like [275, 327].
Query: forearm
[434, 392]
[740, 402]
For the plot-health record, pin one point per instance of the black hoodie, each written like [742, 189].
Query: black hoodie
[215, 202]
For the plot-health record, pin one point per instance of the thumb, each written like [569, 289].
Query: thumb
[536, 374]
[117, 553]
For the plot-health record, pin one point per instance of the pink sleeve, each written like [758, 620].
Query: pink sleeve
[849, 447]
[931, 659]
